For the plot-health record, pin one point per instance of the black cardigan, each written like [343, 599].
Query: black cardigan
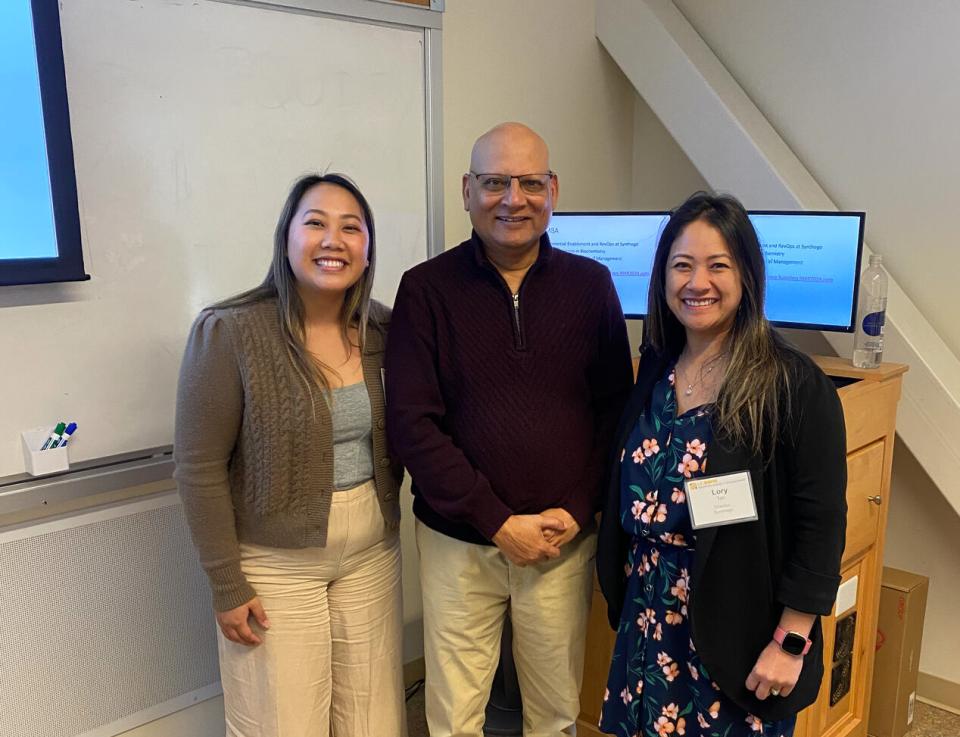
[745, 574]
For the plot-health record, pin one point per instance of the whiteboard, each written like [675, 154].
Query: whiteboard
[190, 121]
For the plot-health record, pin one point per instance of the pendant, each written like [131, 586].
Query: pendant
[688, 391]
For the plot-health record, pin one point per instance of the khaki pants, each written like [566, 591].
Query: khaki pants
[331, 661]
[466, 592]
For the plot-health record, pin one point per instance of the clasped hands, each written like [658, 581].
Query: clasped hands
[524, 538]
[530, 538]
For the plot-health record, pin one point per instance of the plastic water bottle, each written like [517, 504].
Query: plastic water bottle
[868, 345]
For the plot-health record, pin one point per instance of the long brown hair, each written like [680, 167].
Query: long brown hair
[753, 400]
[280, 284]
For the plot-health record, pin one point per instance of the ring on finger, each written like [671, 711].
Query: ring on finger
[774, 691]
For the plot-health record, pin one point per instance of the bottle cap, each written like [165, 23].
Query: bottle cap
[875, 259]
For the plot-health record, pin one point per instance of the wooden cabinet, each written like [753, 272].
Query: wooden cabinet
[870, 407]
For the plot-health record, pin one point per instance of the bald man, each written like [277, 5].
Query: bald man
[507, 366]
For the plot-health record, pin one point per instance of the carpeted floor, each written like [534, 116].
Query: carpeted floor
[416, 720]
[928, 720]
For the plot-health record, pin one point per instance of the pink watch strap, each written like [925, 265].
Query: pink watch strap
[780, 633]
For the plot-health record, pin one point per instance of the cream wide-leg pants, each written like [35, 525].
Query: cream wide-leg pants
[467, 590]
[331, 662]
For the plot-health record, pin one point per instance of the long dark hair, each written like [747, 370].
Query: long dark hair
[280, 283]
[752, 401]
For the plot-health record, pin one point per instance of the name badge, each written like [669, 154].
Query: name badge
[720, 500]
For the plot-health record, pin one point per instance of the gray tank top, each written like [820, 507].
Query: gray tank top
[352, 436]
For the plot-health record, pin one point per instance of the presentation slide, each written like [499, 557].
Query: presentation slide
[26, 207]
[811, 259]
[811, 265]
[623, 243]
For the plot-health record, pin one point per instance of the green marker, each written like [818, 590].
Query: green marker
[55, 435]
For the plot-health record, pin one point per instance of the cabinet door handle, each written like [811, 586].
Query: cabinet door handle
[875, 499]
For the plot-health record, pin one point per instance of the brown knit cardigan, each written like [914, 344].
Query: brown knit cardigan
[253, 443]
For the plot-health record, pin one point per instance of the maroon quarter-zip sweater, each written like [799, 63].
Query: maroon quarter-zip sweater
[500, 404]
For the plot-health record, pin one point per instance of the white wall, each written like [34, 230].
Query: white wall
[864, 94]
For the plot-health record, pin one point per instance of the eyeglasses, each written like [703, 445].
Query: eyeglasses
[535, 184]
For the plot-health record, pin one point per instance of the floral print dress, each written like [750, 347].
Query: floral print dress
[657, 685]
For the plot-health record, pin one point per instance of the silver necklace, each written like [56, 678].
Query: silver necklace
[705, 370]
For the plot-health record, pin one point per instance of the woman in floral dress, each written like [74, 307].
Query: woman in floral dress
[718, 631]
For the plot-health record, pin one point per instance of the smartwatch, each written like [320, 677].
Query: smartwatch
[792, 643]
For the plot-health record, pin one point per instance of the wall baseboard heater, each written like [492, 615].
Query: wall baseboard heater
[106, 622]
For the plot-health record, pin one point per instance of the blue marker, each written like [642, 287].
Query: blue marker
[54, 438]
[71, 429]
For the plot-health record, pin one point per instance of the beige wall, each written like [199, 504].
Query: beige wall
[923, 536]
[662, 176]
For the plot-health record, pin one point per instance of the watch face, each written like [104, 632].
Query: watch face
[793, 643]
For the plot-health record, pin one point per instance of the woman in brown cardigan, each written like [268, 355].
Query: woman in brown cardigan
[282, 464]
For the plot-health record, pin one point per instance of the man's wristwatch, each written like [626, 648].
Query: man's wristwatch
[792, 642]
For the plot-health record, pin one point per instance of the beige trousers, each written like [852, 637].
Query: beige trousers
[467, 590]
[331, 662]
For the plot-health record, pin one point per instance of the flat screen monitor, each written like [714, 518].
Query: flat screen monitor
[39, 217]
[812, 260]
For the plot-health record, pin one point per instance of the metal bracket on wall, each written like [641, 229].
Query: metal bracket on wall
[23, 492]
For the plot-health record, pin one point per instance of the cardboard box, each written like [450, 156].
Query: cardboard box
[903, 600]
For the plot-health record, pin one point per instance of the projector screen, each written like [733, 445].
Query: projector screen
[39, 220]
[812, 260]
